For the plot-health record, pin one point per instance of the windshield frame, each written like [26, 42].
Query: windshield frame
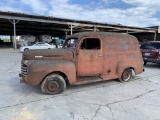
[66, 42]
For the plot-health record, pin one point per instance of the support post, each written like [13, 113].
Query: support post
[15, 42]
[127, 31]
[95, 29]
[66, 34]
[14, 32]
[71, 29]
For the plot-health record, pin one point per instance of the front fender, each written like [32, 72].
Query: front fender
[38, 69]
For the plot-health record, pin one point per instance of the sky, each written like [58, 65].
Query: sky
[137, 13]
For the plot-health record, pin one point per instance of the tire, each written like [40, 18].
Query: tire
[126, 75]
[26, 49]
[145, 63]
[53, 84]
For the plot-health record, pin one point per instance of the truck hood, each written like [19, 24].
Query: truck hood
[49, 54]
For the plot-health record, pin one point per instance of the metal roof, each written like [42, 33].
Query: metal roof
[82, 34]
[37, 25]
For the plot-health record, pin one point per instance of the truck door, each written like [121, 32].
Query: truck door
[90, 57]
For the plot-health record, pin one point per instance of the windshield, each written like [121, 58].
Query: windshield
[150, 45]
[70, 43]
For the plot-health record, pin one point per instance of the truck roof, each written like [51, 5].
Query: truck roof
[80, 34]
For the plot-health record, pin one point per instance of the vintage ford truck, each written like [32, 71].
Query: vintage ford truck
[94, 56]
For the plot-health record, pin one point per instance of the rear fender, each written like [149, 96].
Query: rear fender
[122, 65]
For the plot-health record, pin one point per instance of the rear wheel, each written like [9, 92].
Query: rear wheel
[126, 75]
[53, 84]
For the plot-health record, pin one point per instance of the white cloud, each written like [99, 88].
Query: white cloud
[64, 10]
[8, 5]
[37, 6]
[9, 2]
[11, 9]
[140, 13]
[138, 16]
[110, 1]
[153, 4]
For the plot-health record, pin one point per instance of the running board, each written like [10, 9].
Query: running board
[85, 81]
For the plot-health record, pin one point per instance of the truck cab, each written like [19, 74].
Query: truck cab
[95, 56]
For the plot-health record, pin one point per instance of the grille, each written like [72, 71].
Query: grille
[24, 70]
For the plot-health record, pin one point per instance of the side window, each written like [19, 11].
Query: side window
[91, 44]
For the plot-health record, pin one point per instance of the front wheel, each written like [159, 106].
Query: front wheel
[126, 75]
[53, 84]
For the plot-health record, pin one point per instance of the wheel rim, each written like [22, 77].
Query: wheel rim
[126, 75]
[52, 85]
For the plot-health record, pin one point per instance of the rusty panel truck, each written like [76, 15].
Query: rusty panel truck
[97, 56]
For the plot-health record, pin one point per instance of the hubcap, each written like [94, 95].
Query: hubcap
[52, 85]
[126, 75]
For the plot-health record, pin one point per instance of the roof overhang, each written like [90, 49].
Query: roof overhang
[33, 24]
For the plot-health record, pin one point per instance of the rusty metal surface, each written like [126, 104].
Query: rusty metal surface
[52, 85]
[39, 69]
[89, 63]
[117, 52]
[100, 34]
[50, 54]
